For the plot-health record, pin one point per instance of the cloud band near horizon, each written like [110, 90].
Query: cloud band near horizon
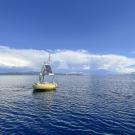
[65, 59]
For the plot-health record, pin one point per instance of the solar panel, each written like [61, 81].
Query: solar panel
[48, 69]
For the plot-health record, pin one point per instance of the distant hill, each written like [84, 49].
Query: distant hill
[19, 73]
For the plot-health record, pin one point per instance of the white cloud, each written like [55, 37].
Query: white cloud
[65, 59]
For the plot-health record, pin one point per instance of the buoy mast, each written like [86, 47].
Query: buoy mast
[46, 70]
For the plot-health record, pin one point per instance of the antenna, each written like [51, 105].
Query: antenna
[49, 58]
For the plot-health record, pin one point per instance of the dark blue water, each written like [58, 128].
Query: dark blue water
[82, 105]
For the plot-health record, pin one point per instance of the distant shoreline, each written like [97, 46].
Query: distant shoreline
[37, 73]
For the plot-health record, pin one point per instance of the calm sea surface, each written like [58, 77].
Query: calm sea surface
[82, 105]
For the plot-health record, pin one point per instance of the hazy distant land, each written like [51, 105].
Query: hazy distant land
[37, 73]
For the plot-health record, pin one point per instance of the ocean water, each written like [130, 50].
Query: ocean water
[82, 105]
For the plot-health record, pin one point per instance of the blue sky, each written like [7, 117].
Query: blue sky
[102, 27]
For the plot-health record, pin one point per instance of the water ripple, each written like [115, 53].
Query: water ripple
[82, 105]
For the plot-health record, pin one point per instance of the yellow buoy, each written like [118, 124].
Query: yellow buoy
[45, 86]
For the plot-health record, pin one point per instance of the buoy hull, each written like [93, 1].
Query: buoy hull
[45, 86]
